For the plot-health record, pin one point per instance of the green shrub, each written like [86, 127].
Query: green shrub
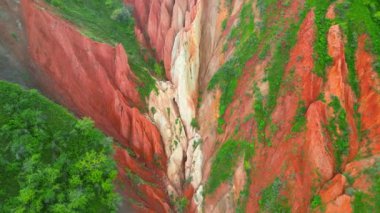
[316, 202]
[194, 123]
[50, 161]
[339, 131]
[299, 122]
[226, 158]
[121, 14]
[271, 200]
[228, 75]
[180, 204]
[321, 57]
[369, 202]
[224, 24]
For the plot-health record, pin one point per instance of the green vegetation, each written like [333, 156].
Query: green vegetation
[225, 161]
[247, 41]
[274, 76]
[228, 75]
[224, 24]
[281, 56]
[299, 121]
[271, 200]
[136, 179]
[339, 131]
[50, 161]
[194, 123]
[322, 59]
[244, 194]
[316, 202]
[369, 202]
[357, 17]
[260, 113]
[180, 204]
[112, 22]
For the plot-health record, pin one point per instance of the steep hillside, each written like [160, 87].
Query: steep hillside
[223, 105]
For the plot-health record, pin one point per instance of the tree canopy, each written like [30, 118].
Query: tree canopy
[49, 160]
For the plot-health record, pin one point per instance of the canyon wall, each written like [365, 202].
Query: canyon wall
[167, 145]
[94, 79]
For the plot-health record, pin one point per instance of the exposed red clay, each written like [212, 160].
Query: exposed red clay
[94, 79]
[369, 96]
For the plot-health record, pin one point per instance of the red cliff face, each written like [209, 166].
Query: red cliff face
[192, 39]
[369, 95]
[94, 79]
[160, 21]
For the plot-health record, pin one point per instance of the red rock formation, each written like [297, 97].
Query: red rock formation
[94, 79]
[335, 188]
[369, 95]
[160, 21]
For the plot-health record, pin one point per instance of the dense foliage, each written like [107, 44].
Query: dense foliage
[51, 162]
[111, 21]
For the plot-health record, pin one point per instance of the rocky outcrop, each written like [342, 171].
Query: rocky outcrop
[160, 21]
[173, 109]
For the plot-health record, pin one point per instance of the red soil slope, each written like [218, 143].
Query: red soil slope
[94, 79]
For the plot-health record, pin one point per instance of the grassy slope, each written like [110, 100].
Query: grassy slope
[99, 20]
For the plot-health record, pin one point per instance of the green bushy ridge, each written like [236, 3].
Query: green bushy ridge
[228, 75]
[339, 131]
[369, 202]
[321, 56]
[226, 158]
[264, 106]
[112, 22]
[299, 121]
[272, 201]
[316, 202]
[50, 161]
[357, 17]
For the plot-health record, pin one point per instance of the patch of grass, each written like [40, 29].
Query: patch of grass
[222, 168]
[194, 123]
[299, 121]
[280, 59]
[321, 57]
[339, 131]
[260, 114]
[264, 52]
[271, 200]
[274, 76]
[316, 202]
[228, 75]
[244, 194]
[359, 17]
[180, 204]
[111, 22]
[369, 202]
[224, 24]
